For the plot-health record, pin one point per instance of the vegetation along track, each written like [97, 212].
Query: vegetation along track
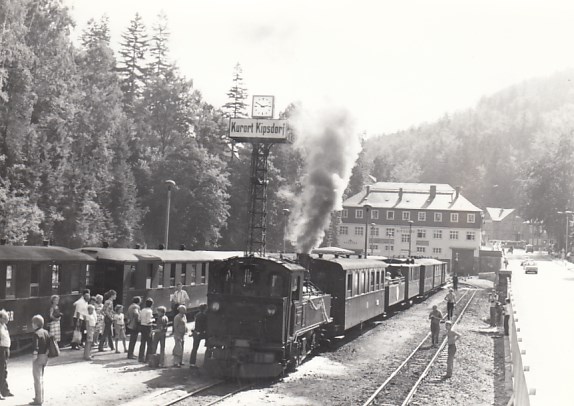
[402, 384]
[209, 394]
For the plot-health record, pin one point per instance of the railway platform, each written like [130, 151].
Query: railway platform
[109, 379]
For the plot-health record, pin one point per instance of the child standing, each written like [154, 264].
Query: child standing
[41, 338]
[179, 329]
[91, 321]
[5, 343]
[99, 309]
[119, 327]
[159, 333]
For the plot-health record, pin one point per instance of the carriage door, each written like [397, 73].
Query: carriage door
[297, 312]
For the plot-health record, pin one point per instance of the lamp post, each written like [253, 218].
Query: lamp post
[567, 213]
[373, 225]
[367, 208]
[410, 236]
[170, 184]
[286, 213]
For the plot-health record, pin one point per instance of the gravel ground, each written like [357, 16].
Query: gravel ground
[350, 374]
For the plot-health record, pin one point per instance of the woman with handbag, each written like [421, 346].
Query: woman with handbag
[55, 317]
[108, 312]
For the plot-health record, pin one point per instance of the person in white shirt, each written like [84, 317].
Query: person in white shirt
[146, 322]
[178, 298]
[5, 343]
[80, 313]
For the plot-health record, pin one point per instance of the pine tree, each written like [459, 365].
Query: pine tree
[159, 49]
[133, 53]
[236, 107]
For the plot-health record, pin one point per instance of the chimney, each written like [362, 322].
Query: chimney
[105, 244]
[45, 243]
[400, 194]
[368, 190]
[182, 247]
[432, 194]
[457, 191]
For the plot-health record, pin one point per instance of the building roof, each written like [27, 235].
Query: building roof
[395, 195]
[498, 214]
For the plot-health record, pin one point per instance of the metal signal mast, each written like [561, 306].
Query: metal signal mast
[262, 131]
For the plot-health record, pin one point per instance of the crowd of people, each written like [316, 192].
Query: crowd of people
[99, 324]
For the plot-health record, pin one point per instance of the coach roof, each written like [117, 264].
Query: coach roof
[41, 254]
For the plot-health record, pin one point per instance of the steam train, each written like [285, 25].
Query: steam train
[30, 275]
[266, 315]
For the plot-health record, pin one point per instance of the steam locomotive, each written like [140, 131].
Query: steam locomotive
[266, 315]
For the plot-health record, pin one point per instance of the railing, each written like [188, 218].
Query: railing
[522, 391]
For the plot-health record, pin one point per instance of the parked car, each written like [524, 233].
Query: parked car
[530, 266]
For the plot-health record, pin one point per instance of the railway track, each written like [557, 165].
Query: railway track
[209, 394]
[401, 385]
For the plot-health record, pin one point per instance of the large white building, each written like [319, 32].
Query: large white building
[420, 219]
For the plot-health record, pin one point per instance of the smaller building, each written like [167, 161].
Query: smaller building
[506, 225]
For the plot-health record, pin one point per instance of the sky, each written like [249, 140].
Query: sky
[392, 64]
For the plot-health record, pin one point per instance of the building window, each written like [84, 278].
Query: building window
[345, 213]
[453, 235]
[35, 280]
[375, 247]
[437, 250]
[389, 247]
[454, 217]
[470, 218]
[421, 233]
[374, 214]
[437, 234]
[406, 215]
[437, 217]
[343, 230]
[390, 214]
[10, 287]
[470, 235]
[359, 213]
[405, 238]
[56, 278]
[390, 232]
[358, 230]
[375, 231]
[421, 250]
[422, 216]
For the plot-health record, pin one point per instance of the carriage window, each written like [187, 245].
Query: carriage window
[191, 270]
[248, 277]
[378, 279]
[180, 271]
[10, 287]
[149, 276]
[356, 283]
[276, 283]
[56, 279]
[160, 276]
[35, 280]
[90, 278]
[130, 270]
[203, 279]
[349, 285]
[362, 283]
[372, 280]
[172, 275]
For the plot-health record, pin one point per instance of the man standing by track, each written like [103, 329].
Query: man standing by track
[450, 299]
[435, 317]
[452, 337]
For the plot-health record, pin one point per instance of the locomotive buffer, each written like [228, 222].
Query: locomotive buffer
[262, 131]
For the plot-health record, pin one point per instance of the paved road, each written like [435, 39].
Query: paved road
[545, 312]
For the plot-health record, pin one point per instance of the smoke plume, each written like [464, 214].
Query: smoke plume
[330, 146]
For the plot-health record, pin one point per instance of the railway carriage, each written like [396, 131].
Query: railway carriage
[151, 273]
[427, 267]
[29, 276]
[357, 287]
[264, 315]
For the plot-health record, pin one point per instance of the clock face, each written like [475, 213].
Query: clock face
[262, 106]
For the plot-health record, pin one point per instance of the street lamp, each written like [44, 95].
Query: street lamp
[373, 225]
[286, 213]
[367, 208]
[170, 184]
[410, 235]
[567, 213]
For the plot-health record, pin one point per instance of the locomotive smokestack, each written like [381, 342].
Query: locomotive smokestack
[330, 146]
[304, 260]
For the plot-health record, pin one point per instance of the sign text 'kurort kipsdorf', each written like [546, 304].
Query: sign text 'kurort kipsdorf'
[251, 129]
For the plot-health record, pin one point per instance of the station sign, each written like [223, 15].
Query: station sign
[259, 130]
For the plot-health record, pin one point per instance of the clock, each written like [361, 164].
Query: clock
[263, 106]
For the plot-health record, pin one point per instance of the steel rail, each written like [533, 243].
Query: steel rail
[193, 393]
[401, 366]
[427, 369]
